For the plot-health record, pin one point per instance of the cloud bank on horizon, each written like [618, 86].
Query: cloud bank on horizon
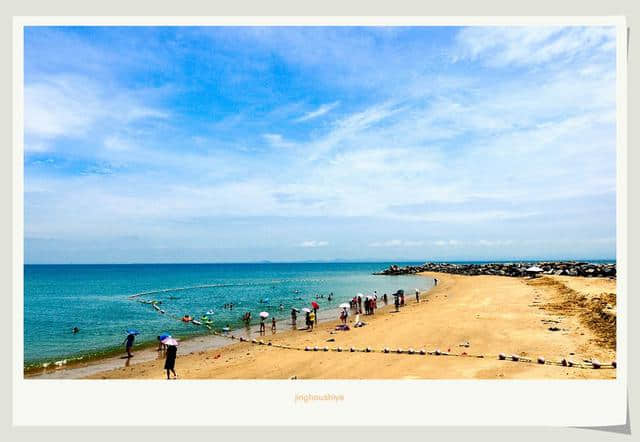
[266, 143]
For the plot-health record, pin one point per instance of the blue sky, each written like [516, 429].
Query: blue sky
[240, 144]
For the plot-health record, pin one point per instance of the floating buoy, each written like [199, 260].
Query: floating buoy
[502, 356]
[368, 350]
[570, 363]
[386, 350]
[269, 343]
[315, 348]
[307, 349]
[596, 363]
[411, 351]
[614, 364]
[352, 349]
[541, 360]
[242, 339]
[515, 358]
[399, 351]
[253, 341]
[261, 342]
[339, 349]
[325, 349]
[563, 362]
[422, 352]
[437, 352]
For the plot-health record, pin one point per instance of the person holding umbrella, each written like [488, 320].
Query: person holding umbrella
[172, 351]
[131, 336]
[316, 307]
[162, 337]
[263, 316]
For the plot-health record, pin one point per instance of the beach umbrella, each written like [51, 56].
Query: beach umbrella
[315, 305]
[344, 305]
[534, 269]
[170, 341]
[164, 335]
[264, 314]
[306, 310]
[132, 331]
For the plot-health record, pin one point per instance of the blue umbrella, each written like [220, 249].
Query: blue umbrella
[133, 331]
[164, 335]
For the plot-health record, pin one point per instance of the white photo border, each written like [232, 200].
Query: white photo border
[457, 402]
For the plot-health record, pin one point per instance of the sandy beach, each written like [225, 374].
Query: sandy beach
[552, 317]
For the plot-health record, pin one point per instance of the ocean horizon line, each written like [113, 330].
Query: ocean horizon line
[372, 261]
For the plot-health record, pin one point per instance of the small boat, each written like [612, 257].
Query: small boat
[196, 322]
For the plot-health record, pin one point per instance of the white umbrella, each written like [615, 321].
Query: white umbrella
[344, 305]
[359, 295]
[307, 310]
[534, 269]
[264, 314]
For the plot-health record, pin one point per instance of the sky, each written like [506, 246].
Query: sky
[244, 144]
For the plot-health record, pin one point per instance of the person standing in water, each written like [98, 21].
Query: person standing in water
[170, 361]
[262, 327]
[273, 325]
[417, 295]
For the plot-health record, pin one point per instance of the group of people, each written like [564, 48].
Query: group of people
[370, 303]
[263, 326]
[170, 351]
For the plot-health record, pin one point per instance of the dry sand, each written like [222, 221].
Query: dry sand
[494, 314]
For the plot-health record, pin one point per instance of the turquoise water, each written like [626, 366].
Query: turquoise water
[96, 299]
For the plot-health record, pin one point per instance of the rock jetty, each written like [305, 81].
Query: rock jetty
[515, 269]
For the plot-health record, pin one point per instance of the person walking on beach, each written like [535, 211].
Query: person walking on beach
[129, 343]
[262, 327]
[417, 295]
[273, 325]
[396, 302]
[435, 281]
[294, 316]
[385, 299]
[170, 361]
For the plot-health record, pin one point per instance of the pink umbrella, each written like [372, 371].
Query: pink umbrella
[315, 305]
[170, 341]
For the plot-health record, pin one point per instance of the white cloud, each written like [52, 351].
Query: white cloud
[531, 45]
[277, 140]
[325, 108]
[313, 243]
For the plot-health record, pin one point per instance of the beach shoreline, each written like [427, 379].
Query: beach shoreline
[490, 314]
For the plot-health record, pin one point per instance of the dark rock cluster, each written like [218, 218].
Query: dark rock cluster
[570, 268]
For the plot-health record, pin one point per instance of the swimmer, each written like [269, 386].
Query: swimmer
[75, 330]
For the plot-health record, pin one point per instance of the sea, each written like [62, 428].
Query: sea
[104, 301]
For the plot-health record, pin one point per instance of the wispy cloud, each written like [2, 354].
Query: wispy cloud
[322, 110]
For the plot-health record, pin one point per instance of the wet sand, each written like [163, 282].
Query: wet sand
[493, 314]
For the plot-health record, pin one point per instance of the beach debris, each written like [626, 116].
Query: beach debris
[502, 356]
[554, 328]
[331, 340]
[294, 377]
[614, 364]
[464, 344]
